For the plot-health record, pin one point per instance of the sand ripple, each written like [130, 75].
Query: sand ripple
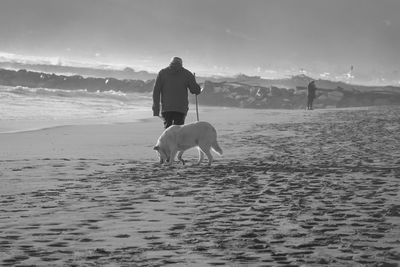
[325, 192]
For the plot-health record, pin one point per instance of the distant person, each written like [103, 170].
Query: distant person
[171, 88]
[311, 88]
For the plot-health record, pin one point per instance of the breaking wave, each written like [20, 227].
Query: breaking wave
[111, 94]
[43, 107]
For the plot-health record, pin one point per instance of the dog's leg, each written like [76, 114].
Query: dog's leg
[207, 150]
[172, 156]
[209, 156]
[180, 157]
[201, 156]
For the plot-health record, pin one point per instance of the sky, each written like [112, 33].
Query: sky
[352, 40]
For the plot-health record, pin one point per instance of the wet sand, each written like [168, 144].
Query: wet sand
[294, 188]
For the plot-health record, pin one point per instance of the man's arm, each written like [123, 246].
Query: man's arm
[156, 95]
[194, 87]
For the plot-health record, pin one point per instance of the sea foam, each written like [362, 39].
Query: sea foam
[23, 108]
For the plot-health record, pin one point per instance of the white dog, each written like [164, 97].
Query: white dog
[178, 138]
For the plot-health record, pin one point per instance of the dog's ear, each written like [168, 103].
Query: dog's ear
[156, 148]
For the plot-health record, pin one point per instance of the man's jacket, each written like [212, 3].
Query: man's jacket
[171, 88]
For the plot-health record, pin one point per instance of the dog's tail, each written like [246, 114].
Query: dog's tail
[217, 148]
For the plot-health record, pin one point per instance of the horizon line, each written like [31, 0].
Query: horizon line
[347, 77]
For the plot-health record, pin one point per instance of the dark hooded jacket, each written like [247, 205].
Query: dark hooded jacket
[171, 88]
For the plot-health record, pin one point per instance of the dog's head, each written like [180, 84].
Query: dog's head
[163, 155]
[165, 142]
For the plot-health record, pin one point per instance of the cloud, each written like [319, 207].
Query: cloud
[325, 75]
[346, 77]
[271, 74]
[24, 59]
[9, 57]
[303, 71]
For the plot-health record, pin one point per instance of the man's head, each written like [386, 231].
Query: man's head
[176, 61]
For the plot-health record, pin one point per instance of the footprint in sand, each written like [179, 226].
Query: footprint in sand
[122, 236]
[59, 244]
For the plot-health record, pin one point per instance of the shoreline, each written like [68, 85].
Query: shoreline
[134, 139]
[126, 140]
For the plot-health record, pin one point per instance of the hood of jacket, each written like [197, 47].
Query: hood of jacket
[174, 68]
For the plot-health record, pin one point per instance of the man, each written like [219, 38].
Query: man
[171, 88]
[311, 88]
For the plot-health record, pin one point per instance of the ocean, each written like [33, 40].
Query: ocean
[26, 109]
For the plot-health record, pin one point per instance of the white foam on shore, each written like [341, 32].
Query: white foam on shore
[27, 109]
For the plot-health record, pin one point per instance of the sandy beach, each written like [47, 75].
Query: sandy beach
[294, 188]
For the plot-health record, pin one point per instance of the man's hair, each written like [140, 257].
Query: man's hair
[176, 61]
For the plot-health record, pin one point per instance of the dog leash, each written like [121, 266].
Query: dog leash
[197, 105]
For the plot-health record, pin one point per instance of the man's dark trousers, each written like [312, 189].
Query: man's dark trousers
[173, 118]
